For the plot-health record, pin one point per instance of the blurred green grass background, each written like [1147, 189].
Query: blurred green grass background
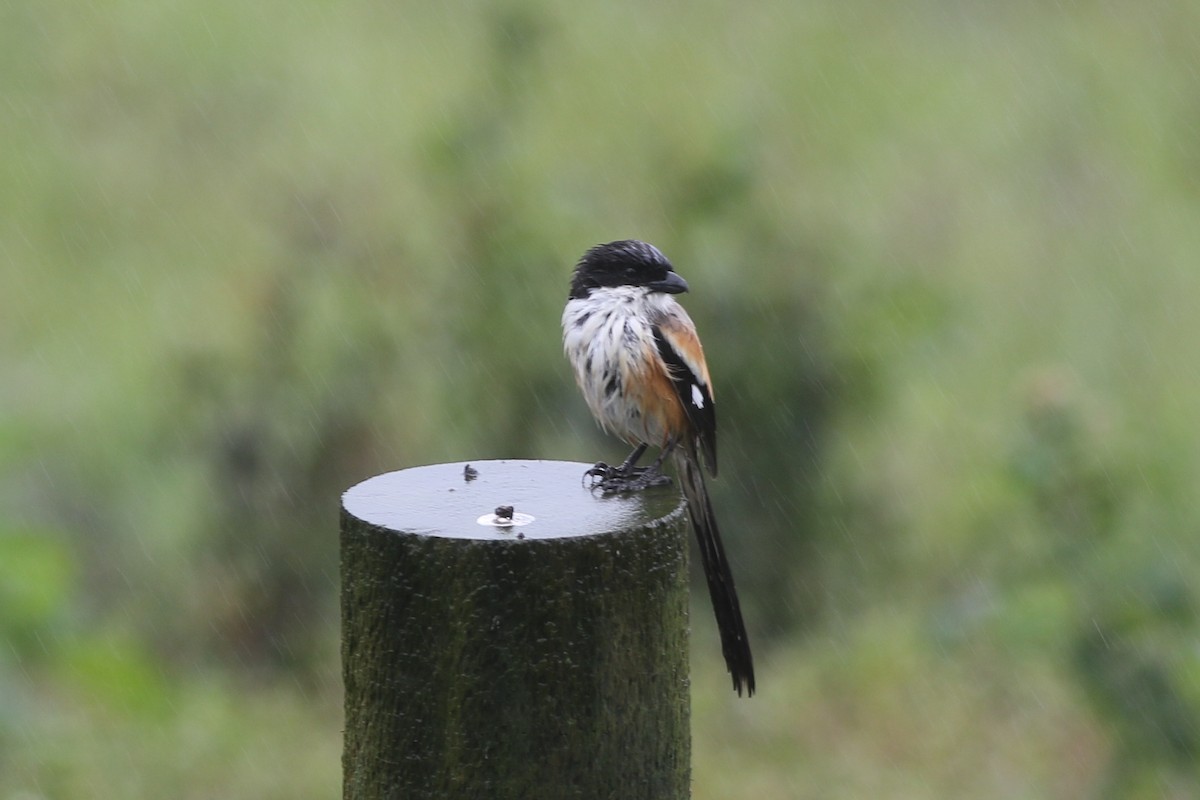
[944, 257]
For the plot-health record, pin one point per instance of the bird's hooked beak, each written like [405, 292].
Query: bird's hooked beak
[672, 284]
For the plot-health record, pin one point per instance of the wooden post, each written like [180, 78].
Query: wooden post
[546, 659]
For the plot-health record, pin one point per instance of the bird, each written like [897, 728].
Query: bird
[640, 366]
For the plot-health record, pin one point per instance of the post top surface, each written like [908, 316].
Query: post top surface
[441, 500]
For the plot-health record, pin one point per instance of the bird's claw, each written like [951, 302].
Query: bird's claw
[615, 480]
[599, 470]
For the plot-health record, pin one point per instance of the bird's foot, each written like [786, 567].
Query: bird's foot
[619, 480]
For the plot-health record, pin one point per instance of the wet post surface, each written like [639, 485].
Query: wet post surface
[542, 659]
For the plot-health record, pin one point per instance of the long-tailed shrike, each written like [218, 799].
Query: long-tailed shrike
[641, 368]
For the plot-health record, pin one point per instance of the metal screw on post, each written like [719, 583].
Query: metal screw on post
[507, 633]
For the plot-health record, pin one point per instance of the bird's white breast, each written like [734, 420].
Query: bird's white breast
[607, 337]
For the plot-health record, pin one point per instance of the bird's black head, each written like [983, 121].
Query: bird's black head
[625, 263]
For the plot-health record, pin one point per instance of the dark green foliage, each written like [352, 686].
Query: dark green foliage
[252, 253]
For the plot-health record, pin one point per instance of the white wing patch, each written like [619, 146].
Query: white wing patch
[697, 396]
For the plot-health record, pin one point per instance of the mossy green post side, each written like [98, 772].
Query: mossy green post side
[546, 659]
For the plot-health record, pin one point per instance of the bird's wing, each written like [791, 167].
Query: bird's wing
[681, 352]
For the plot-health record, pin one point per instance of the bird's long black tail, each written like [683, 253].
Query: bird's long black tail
[734, 643]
